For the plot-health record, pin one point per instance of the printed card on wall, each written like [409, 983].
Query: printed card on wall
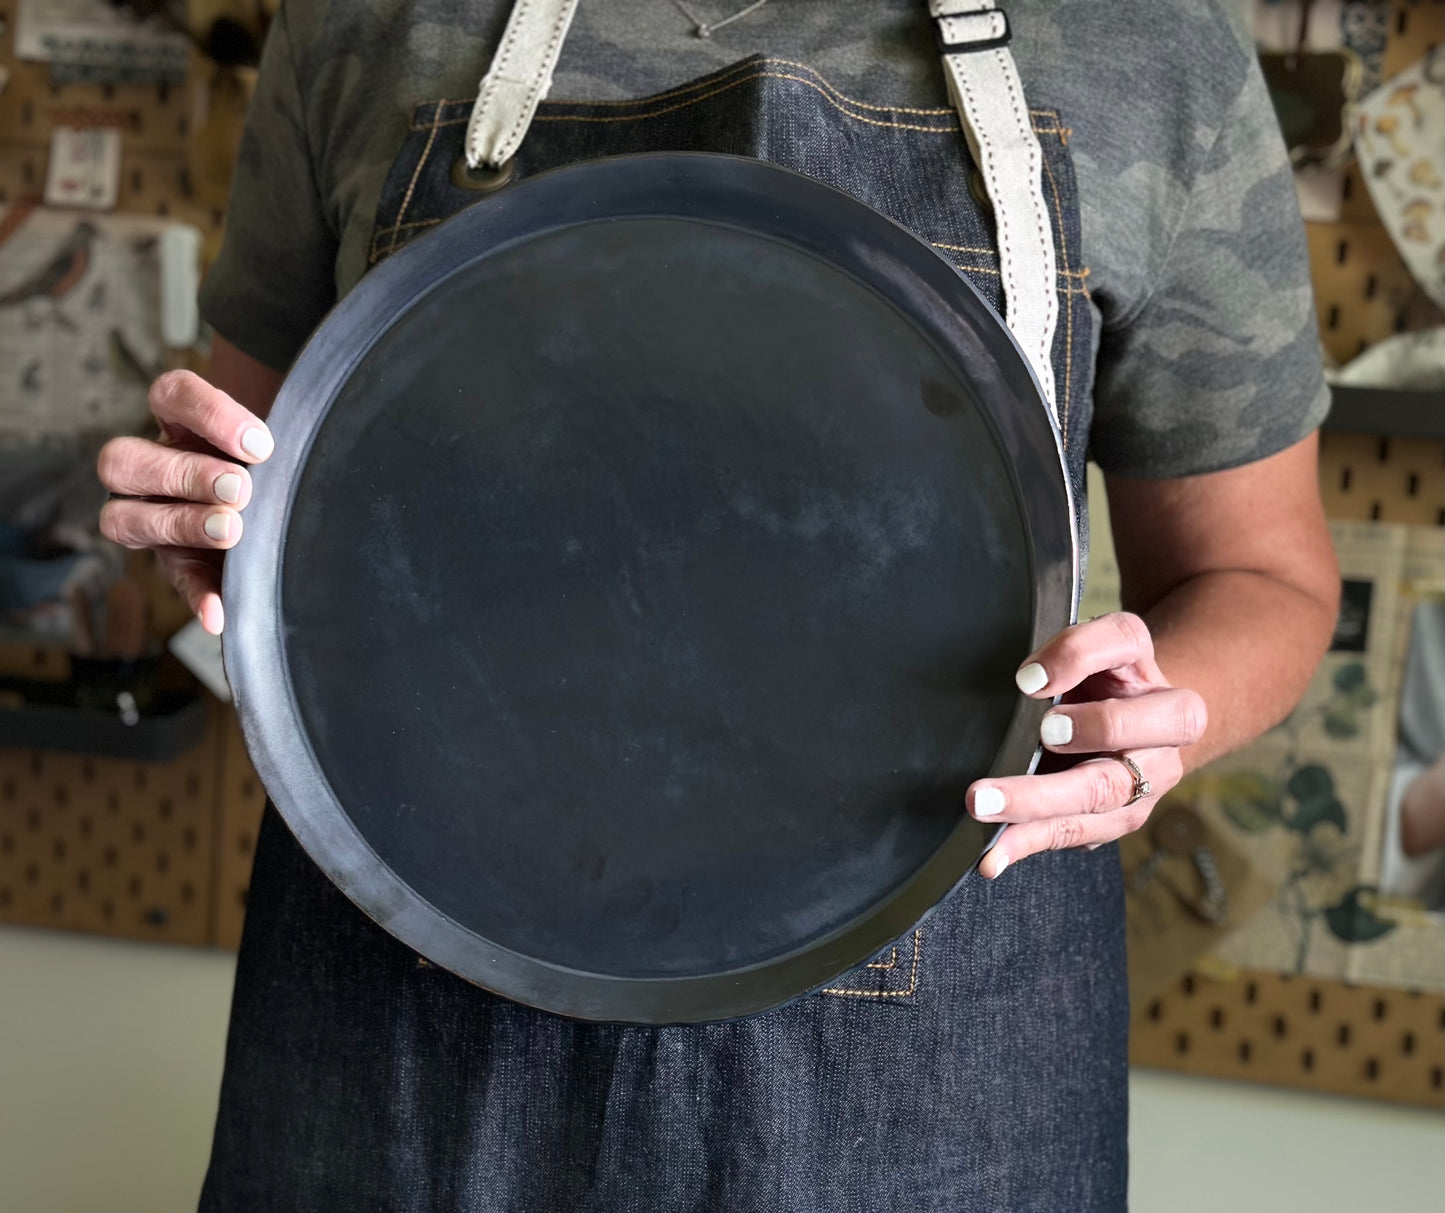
[1309, 801]
[79, 324]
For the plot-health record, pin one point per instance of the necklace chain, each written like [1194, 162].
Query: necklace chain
[705, 29]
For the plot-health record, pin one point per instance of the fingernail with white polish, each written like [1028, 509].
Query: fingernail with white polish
[1033, 677]
[218, 527]
[1056, 729]
[257, 443]
[1000, 864]
[228, 488]
[988, 802]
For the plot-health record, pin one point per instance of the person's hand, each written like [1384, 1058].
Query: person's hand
[183, 495]
[1115, 701]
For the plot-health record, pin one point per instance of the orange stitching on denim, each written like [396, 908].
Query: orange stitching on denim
[912, 981]
[964, 248]
[993, 273]
[892, 961]
[1068, 306]
[415, 176]
[952, 128]
[693, 86]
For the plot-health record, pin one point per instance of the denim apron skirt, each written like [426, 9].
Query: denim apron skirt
[978, 1063]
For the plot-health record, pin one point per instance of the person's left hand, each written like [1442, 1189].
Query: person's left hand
[1115, 701]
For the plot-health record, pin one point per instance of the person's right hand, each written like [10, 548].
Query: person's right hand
[183, 496]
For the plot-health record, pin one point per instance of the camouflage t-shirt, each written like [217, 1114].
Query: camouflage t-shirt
[1207, 355]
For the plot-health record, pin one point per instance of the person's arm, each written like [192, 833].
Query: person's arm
[1232, 587]
[1236, 576]
[1422, 811]
[246, 380]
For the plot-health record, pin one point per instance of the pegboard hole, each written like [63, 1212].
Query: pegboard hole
[32, 874]
[166, 807]
[188, 892]
[142, 778]
[193, 785]
[1332, 317]
[37, 764]
[138, 831]
[82, 880]
[134, 886]
[1278, 1026]
[6, 897]
[1436, 1077]
[87, 772]
[1375, 511]
[1181, 1043]
[243, 844]
[1412, 485]
[1251, 992]
[136, 180]
[248, 788]
[163, 862]
[32, 820]
[1407, 1044]
[8, 789]
[1346, 475]
[1379, 1009]
[1402, 22]
[107, 909]
[1343, 1035]
[85, 826]
[1382, 452]
[1307, 1060]
[1187, 985]
[62, 795]
[57, 903]
[1246, 1051]
[108, 857]
[1372, 1068]
[241, 897]
[1372, 284]
[188, 838]
[1342, 254]
[7, 844]
[112, 803]
[1216, 1018]
[57, 848]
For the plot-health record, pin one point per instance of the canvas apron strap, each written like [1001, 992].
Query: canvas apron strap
[973, 37]
[519, 77]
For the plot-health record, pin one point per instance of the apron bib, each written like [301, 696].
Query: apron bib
[979, 1063]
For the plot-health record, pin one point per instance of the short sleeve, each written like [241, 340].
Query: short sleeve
[274, 278]
[1220, 365]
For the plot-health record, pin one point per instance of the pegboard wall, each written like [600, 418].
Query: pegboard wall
[164, 851]
[177, 141]
[1296, 1031]
[1363, 292]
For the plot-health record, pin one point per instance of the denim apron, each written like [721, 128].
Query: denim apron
[976, 1064]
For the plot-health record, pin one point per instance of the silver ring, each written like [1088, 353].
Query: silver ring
[1141, 785]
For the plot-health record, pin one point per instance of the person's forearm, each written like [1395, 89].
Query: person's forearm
[1247, 643]
[1422, 811]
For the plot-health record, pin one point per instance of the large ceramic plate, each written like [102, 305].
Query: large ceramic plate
[637, 585]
